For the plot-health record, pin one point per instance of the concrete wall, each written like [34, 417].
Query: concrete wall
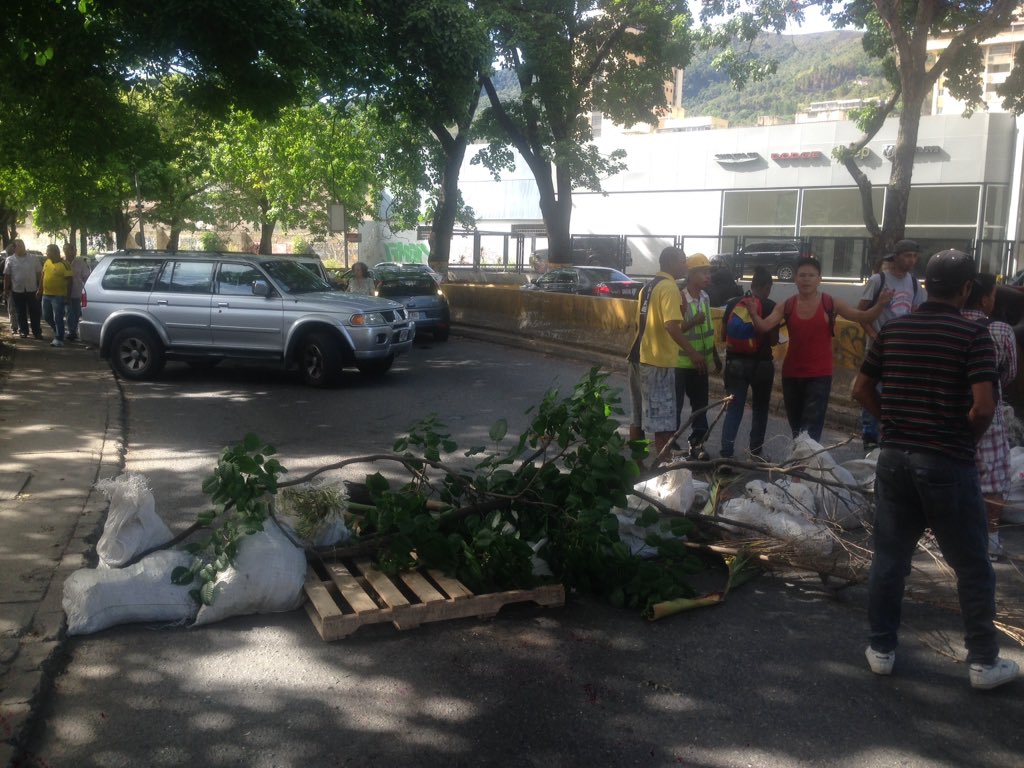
[605, 325]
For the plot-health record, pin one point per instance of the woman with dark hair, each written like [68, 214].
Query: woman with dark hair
[361, 282]
[993, 453]
[810, 321]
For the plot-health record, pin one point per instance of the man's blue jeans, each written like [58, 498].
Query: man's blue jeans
[914, 491]
[806, 402]
[741, 374]
[53, 314]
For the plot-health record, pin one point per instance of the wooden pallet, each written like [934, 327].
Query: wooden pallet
[345, 596]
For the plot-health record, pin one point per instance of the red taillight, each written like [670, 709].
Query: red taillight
[85, 300]
[600, 289]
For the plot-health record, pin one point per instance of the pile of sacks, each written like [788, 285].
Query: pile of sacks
[806, 513]
[267, 575]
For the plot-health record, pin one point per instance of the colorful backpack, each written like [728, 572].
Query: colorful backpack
[740, 336]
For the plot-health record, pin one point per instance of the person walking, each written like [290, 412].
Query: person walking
[749, 365]
[810, 322]
[12, 312]
[993, 451]
[938, 375]
[54, 290]
[79, 274]
[907, 296]
[660, 336]
[22, 275]
[698, 355]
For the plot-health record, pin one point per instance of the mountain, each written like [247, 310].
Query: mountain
[815, 67]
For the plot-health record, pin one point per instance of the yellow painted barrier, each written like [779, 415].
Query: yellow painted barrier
[603, 324]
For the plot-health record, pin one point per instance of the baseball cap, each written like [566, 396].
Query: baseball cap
[949, 268]
[906, 246]
[697, 261]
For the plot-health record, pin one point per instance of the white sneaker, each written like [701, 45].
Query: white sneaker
[880, 663]
[56, 343]
[987, 676]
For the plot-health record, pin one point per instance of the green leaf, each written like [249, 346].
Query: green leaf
[182, 576]
[206, 593]
[250, 443]
[648, 517]
[206, 517]
[498, 430]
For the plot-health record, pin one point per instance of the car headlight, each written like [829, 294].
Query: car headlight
[367, 319]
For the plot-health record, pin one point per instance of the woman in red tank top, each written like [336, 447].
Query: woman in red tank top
[807, 369]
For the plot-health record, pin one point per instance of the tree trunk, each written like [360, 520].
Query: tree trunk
[175, 235]
[447, 203]
[266, 228]
[83, 243]
[122, 225]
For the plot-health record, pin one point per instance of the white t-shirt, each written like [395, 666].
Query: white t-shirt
[24, 271]
[904, 298]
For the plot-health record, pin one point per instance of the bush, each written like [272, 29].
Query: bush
[301, 245]
[211, 241]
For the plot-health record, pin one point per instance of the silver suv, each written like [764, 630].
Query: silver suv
[142, 308]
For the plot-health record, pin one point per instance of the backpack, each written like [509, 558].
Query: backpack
[826, 303]
[644, 297]
[740, 336]
[881, 287]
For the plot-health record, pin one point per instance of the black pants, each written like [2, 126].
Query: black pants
[27, 307]
[693, 385]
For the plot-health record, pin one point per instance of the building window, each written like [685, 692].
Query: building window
[763, 213]
[943, 207]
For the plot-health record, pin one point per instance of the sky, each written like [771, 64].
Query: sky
[814, 21]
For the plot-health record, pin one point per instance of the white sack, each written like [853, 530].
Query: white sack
[791, 527]
[1013, 513]
[844, 507]
[267, 577]
[330, 532]
[674, 489]
[97, 598]
[133, 525]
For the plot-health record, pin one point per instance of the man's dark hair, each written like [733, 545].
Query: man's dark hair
[670, 256]
[808, 261]
[761, 278]
[982, 286]
[947, 272]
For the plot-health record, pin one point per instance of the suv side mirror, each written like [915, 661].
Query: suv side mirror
[260, 288]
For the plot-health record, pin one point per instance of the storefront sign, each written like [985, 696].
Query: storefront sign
[931, 149]
[780, 157]
[737, 158]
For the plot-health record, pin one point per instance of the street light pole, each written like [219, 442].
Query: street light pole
[138, 210]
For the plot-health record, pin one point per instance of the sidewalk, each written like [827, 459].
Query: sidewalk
[60, 430]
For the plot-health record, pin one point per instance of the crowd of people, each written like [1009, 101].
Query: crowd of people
[47, 291]
[929, 385]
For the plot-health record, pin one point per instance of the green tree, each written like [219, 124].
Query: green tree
[430, 57]
[896, 32]
[288, 171]
[572, 58]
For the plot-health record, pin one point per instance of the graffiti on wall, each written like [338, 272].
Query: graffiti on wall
[407, 253]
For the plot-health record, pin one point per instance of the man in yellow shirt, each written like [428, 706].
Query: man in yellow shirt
[659, 338]
[54, 290]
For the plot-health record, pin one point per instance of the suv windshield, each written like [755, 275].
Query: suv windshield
[295, 278]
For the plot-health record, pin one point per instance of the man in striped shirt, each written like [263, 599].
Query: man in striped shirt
[937, 371]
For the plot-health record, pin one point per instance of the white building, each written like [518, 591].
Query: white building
[710, 187]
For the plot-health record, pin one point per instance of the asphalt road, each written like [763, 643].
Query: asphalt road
[775, 677]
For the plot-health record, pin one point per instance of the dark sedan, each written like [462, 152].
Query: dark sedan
[423, 299]
[587, 281]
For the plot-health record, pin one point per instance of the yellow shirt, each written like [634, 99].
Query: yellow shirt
[657, 347]
[55, 278]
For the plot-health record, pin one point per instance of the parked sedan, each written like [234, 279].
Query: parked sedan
[424, 302]
[587, 281]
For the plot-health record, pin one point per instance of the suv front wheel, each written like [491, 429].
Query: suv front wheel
[136, 354]
[786, 273]
[319, 360]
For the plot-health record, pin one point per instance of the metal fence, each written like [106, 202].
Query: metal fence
[842, 258]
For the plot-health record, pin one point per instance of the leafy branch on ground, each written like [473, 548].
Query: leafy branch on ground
[240, 488]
